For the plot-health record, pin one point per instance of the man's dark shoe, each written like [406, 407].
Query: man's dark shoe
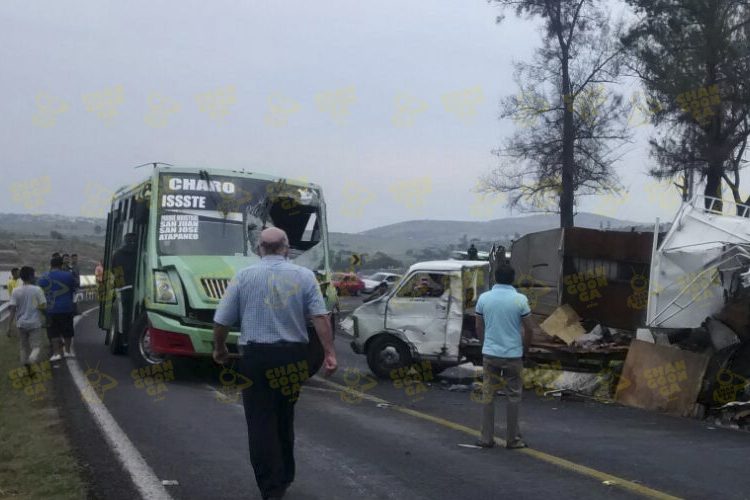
[516, 444]
[482, 444]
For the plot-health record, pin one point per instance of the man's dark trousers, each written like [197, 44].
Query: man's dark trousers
[276, 372]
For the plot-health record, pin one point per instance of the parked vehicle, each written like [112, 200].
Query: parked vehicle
[427, 316]
[192, 231]
[372, 282]
[347, 284]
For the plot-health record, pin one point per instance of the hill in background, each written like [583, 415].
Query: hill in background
[31, 239]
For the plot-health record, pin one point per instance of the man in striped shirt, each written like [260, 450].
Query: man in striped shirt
[271, 301]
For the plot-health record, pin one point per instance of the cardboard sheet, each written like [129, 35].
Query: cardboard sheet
[663, 378]
[564, 324]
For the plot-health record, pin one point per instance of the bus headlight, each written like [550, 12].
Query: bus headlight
[163, 291]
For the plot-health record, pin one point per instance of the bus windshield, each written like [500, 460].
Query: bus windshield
[206, 214]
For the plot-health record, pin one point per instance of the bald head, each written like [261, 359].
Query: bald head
[273, 241]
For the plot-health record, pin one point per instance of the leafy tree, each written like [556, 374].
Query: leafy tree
[573, 125]
[693, 58]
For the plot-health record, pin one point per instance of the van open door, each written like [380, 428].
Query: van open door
[424, 310]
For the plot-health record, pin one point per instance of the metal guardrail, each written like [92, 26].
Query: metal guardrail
[85, 294]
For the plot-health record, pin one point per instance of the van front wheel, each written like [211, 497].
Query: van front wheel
[387, 353]
[139, 344]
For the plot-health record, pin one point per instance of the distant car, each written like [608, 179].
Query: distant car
[347, 284]
[372, 282]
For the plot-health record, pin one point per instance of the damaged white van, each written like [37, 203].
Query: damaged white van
[428, 316]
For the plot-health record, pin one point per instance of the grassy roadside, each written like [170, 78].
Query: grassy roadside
[36, 461]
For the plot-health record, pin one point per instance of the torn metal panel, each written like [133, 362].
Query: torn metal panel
[701, 259]
[603, 275]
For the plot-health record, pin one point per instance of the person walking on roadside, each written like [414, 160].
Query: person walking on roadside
[500, 314]
[58, 285]
[270, 302]
[13, 282]
[26, 305]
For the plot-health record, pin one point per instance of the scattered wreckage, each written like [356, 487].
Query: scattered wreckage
[655, 320]
[691, 292]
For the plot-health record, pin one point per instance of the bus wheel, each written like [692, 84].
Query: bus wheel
[139, 345]
[387, 353]
[114, 338]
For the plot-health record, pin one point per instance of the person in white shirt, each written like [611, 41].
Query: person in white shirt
[27, 302]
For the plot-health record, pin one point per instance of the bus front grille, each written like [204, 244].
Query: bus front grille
[215, 287]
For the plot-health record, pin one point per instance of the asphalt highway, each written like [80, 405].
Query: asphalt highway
[357, 437]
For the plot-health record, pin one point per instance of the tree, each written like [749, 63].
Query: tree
[575, 125]
[693, 57]
[55, 235]
[98, 229]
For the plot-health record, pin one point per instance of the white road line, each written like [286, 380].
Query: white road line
[146, 482]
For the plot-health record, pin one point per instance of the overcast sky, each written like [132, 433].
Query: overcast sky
[363, 98]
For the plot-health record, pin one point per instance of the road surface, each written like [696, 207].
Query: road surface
[389, 442]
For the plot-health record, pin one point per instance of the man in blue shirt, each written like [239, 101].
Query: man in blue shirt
[58, 286]
[271, 302]
[500, 313]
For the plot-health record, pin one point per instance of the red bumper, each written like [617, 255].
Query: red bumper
[164, 342]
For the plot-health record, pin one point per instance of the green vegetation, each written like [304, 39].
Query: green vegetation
[36, 460]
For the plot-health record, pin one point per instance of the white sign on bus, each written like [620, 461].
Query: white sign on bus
[188, 184]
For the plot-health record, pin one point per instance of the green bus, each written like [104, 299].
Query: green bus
[175, 240]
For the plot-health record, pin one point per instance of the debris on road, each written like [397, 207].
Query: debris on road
[564, 324]
[661, 378]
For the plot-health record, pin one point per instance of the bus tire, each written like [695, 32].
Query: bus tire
[138, 345]
[387, 353]
[113, 338]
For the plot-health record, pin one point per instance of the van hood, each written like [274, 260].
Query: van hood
[205, 277]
